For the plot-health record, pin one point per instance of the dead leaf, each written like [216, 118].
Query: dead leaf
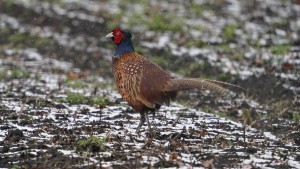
[202, 132]
[148, 142]
[173, 156]
[287, 66]
[208, 163]
[77, 75]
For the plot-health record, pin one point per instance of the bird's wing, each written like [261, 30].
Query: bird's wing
[128, 76]
[141, 80]
[153, 81]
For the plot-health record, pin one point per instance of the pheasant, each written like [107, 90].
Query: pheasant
[145, 85]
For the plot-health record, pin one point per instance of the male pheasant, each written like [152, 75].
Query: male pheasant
[143, 84]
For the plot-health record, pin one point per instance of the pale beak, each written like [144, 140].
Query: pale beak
[109, 35]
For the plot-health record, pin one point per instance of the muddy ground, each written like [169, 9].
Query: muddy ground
[59, 106]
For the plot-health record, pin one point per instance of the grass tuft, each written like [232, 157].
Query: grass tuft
[228, 32]
[78, 98]
[22, 40]
[76, 84]
[91, 144]
[19, 73]
[280, 50]
[160, 23]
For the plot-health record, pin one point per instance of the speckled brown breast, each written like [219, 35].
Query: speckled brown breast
[140, 82]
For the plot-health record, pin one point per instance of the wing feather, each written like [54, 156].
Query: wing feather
[128, 75]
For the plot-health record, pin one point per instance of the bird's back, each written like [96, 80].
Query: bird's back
[141, 82]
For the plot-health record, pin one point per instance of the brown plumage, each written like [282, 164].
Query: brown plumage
[146, 86]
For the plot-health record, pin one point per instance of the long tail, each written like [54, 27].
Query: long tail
[196, 83]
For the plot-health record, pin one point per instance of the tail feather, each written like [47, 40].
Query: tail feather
[195, 83]
[224, 83]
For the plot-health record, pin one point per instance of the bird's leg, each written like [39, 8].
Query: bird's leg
[149, 126]
[141, 123]
[153, 118]
[153, 115]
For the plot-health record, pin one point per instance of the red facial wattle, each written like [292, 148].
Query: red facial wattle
[118, 35]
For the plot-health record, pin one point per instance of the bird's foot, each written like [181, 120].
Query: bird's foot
[138, 129]
[150, 130]
[150, 133]
[144, 117]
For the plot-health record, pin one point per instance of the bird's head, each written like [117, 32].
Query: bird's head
[119, 36]
[123, 41]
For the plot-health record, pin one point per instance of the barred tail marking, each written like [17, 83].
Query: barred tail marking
[194, 83]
